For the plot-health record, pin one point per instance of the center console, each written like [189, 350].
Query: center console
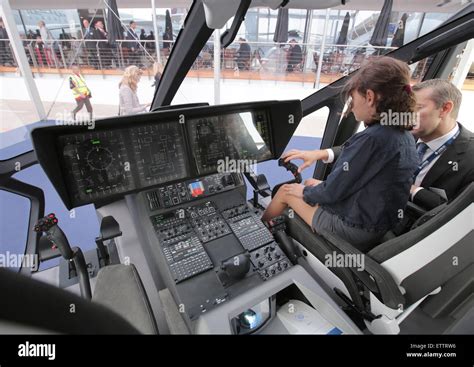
[211, 240]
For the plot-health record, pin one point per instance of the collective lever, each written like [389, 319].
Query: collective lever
[55, 235]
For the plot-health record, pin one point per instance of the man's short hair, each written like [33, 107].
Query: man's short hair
[442, 91]
[132, 22]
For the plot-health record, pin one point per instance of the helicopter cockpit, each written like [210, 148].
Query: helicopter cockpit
[182, 248]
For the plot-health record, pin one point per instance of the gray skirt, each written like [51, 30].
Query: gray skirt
[359, 238]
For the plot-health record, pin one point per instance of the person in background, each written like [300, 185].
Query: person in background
[66, 45]
[157, 72]
[105, 52]
[128, 98]
[242, 56]
[39, 51]
[294, 56]
[48, 44]
[150, 45]
[142, 37]
[133, 46]
[86, 24]
[90, 44]
[80, 91]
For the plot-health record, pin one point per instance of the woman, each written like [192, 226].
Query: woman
[48, 44]
[129, 103]
[367, 190]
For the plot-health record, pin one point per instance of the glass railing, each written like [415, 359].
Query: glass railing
[260, 60]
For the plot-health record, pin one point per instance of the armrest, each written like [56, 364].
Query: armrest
[417, 210]
[374, 276]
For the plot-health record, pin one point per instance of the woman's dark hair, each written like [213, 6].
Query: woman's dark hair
[389, 79]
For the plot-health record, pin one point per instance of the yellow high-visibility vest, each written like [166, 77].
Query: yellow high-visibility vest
[80, 86]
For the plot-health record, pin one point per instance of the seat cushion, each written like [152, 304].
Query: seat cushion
[319, 247]
[120, 288]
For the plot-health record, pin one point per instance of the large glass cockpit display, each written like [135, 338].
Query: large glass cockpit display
[160, 153]
[97, 164]
[216, 140]
[104, 163]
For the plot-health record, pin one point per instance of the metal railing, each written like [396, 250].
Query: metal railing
[265, 58]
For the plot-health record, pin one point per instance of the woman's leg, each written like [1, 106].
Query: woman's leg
[87, 102]
[282, 200]
[80, 104]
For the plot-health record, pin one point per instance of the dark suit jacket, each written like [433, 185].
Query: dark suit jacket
[443, 174]
[131, 36]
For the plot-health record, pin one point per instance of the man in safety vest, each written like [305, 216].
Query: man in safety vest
[80, 91]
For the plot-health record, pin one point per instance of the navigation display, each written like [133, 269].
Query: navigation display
[125, 155]
[159, 153]
[238, 136]
[96, 164]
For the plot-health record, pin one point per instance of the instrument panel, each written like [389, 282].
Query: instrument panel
[99, 164]
[127, 154]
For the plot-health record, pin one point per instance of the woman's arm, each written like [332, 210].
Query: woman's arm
[359, 162]
[127, 102]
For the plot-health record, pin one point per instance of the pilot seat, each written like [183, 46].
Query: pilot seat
[424, 274]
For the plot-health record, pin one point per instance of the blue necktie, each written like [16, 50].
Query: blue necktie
[421, 148]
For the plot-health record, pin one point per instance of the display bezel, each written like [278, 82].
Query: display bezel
[45, 139]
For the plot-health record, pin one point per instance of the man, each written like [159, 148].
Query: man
[105, 52]
[445, 147]
[294, 56]
[86, 24]
[242, 56]
[80, 91]
[133, 46]
[150, 45]
[90, 49]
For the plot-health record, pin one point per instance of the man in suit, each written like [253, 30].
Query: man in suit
[452, 170]
[105, 52]
[133, 46]
[294, 56]
[242, 56]
[90, 49]
[445, 146]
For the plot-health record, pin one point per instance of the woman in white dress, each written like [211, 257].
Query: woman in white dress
[129, 103]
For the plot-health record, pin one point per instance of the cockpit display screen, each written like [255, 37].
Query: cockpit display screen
[98, 164]
[125, 155]
[160, 153]
[229, 140]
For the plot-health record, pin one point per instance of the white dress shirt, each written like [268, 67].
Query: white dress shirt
[432, 146]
